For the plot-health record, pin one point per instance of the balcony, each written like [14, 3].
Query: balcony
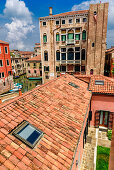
[70, 62]
[70, 41]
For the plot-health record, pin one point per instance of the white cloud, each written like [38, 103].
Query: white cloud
[85, 5]
[21, 23]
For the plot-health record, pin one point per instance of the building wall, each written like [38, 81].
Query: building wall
[32, 69]
[101, 102]
[97, 34]
[6, 82]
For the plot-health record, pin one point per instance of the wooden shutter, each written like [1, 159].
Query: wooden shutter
[110, 120]
[97, 119]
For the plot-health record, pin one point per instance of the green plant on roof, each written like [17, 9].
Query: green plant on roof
[109, 134]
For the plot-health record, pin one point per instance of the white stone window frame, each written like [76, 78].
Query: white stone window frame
[71, 19]
[77, 17]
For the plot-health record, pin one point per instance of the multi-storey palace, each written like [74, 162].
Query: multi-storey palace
[74, 42]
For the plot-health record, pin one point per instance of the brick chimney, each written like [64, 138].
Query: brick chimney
[50, 10]
[20, 93]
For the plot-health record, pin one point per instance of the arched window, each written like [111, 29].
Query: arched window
[57, 37]
[45, 38]
[57, 55]
[45, 56]
[91, 72]
[70, 54]
[84, 35]
[70, 35]
[83, 54]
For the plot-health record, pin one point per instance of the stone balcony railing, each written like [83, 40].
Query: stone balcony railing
[70, 62]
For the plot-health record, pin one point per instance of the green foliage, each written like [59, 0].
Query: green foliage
[109, 134]
[112, 63]
[102, 158]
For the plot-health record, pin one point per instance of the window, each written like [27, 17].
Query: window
[27, 133]
[84, 19]
[83, 54]
[77, 49]
[95, 13]
[63, 37]
[28, 71]
[34, 65]
[2, 74]
[78, 20]
[70, 21]
[57, 68]
[57, 22]
[63, 68]
[77, 68]
[1, 64]
[28, 64]
[4, 83]
[57, 37]
[99, 82]
[83, 68]
[58, 55]
[45, 38]
[63, 56]
[73, 85]
[46, 68]
[93, 44]
[6, 50]
[7, 62]
[44, 23]
[0, 50]
[9, 73]
[35, 71]
[77, 30]
[45, 56]
[47, 77]
[77, 56]
[63, 49]
[63, 21]
[84, 35]
[77, 36]
[70, 36]
[91, 72]
[16, 61]
[70, 54]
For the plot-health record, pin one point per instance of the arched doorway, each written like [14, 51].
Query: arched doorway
[70, 54]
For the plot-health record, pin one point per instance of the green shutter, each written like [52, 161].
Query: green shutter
[84, 35]
[77, 36]
[57, 37]
[63, 37]
[44, 38]
[70, 36]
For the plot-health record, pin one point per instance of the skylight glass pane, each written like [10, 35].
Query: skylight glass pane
[99, 82]
[73, 85]
[26, 131]
[33, 137]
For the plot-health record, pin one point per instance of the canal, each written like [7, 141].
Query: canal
[27, 84]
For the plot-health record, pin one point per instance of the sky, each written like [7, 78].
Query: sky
[19, 23]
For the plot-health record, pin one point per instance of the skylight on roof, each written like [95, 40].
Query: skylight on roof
[73, 85]
[27, 133]
[99, 82]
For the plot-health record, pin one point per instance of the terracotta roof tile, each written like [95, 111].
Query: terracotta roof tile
[36, 58]
[3, 42]
[57, 109]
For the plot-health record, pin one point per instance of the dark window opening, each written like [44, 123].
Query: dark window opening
[9, 73]
[63, 49]
[83, 68]
[91, 72]
[77, 20]
[47, 77]
[1, 64]
[27, 133]
[28, 71]
[57, 55]
[7, 62]
[2, 74]
[84, 19]
[34, 71]
[28, 64]
[57, 22]
[63, 21]
[83, 54]
[57, 68]
[4, 83]
[93, 44]
[70, 21]
[70, 54]
[45, 56]
[77, 49]
[95, 13]
[46, 68]
[63, 68]
[6, 50]
[77, 68]
[77, 56]
[63, 56]
[44, 23]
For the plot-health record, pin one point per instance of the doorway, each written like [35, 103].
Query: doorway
[104, 118]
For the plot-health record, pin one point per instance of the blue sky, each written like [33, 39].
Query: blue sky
[19, 19]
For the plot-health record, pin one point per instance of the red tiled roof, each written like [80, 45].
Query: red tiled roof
[58, 110]
[26, 52]
[107, 88]
[110, 50]
[68, 13]
[36, 58]
[3, 42]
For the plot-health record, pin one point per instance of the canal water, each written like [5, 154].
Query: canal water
[27, 84]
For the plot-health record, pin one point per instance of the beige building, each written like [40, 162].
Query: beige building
[18, 60]
[74, 42]
[37, 49]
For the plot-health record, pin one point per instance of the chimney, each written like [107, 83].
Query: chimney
[50, 10]
[20, 93]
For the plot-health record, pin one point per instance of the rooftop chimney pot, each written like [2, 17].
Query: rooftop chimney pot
[50, 10]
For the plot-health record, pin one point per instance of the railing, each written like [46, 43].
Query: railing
[70, 41]
[70, 62]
